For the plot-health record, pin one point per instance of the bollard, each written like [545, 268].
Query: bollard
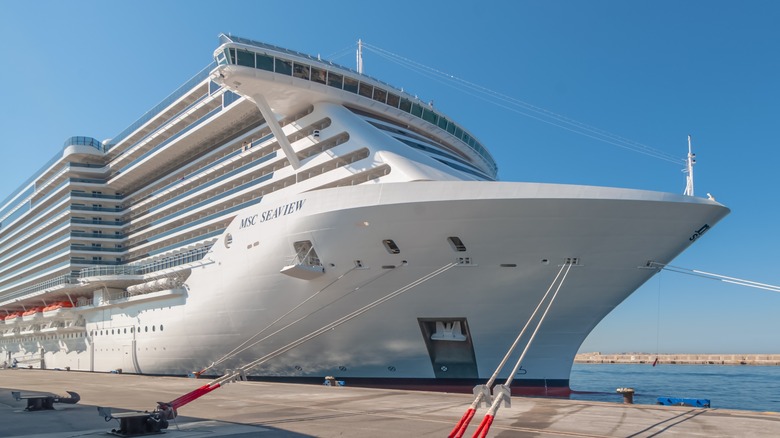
[331, 381]
[628, 395]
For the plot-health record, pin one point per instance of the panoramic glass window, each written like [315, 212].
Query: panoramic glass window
[245, 58]
[335, 80]
[350, 85]
[265, 62]
[365, 90]
[417, 110]
[283, 66]
[380, 95]
[318, 75]
[430, 116]
[301, 71]
[393, 100]
[406, 105]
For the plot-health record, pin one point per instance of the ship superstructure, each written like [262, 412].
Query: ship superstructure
[275, 189]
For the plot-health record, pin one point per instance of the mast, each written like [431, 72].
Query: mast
[689, 170]
[360, 56]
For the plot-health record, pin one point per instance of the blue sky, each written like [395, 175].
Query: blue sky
[651, 72]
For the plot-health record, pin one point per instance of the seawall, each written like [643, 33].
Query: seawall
[684, 359]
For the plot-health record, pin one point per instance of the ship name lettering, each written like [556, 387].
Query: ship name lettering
[274, 213]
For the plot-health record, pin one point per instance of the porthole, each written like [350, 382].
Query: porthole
[153, 328]
[146, 329]
[456, 243]
[161, 327]
[125, 331]
[132, 329]
[390, 246]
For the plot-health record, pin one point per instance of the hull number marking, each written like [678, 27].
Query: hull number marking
[699, 232]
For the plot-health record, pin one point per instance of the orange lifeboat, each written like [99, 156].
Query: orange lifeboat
[13, 318]
[32, 314]
[57, 308]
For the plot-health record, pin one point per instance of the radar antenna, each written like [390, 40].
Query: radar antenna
[689, 170]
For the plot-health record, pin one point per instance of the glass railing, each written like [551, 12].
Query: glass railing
[48, 284]
[96, 222]
[77, 194]
[84, 141]
[90, 208]
[97, 235]
[173, 138]
[141, 269]
[212, 183]
[181, 91]
[88, 248]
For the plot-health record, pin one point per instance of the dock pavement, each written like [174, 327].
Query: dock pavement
[266, 410]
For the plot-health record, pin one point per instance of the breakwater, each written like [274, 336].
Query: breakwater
[680, 359]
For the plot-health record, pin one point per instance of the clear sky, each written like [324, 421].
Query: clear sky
[652, 72]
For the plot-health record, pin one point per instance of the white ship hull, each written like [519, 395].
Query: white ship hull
[516, 237]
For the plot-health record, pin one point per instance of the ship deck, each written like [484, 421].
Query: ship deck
[284, 410]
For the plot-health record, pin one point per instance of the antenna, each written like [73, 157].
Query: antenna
[360, 56]
[689, 170]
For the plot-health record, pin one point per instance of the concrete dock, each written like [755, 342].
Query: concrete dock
[255, 409]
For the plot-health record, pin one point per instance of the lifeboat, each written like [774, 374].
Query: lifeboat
[13, 318]
[57, 309]
[32, 314]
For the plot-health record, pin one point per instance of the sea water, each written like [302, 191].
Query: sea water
[755, 388]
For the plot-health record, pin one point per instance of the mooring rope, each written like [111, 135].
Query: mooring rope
[216, 383]
[484, 426]
[463, 424]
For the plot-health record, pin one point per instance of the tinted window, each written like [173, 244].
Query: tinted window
[265, 62]
[365, 90]
[393, 100]
[380, 95]
[318, 75]
[301, 71]
[334, 79]
[350, 85]
[283, 66]
[246, 58]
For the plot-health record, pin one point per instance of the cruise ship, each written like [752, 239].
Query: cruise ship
[276, 195]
